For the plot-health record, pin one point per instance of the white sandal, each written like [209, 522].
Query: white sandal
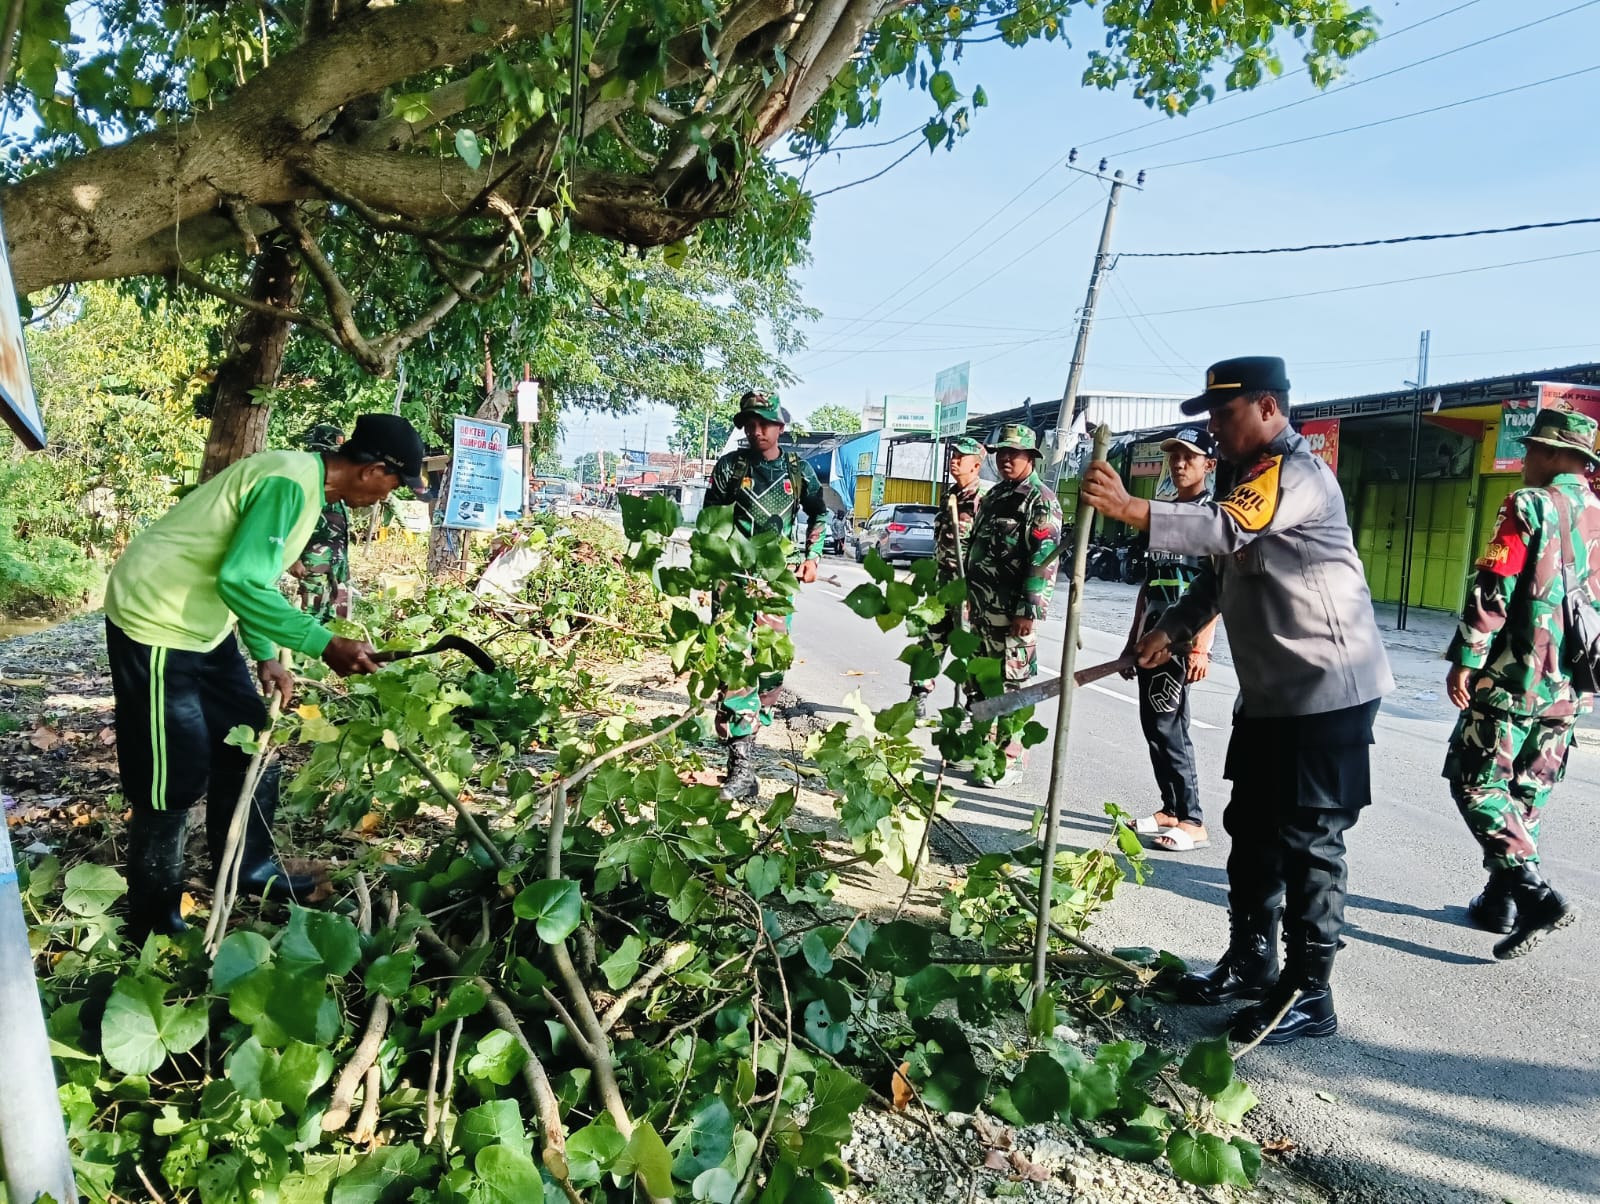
[1176, 840]
[1150, 826]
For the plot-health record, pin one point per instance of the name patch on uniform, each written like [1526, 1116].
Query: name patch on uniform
[1507, 552]
[1254, 500]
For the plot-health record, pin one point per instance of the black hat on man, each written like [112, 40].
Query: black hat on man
[390, 440]
[1195, 438]
[1227, 379]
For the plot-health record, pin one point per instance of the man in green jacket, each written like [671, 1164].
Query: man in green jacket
[177, 672]
[1509, 676]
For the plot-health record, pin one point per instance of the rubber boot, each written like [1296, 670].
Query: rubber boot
[1248, 970]
[259, 872]
[1493, 909]
[1540, 911]
[1311, 1013]
[155, 873]
[740, 784]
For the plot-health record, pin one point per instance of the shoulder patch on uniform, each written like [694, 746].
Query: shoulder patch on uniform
[1507, 553]
[1254, 500]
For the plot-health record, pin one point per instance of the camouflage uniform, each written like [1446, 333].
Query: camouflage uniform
[1509, 747]
[325, 588]
[766, 496]
[1011, 567]
[950, 541]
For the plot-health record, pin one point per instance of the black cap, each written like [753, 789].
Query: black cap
[388, 439]
[1196, 439]
[1227, 379]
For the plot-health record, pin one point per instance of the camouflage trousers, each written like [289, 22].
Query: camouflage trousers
[1501, 769]
[741, 712]
[1019, 654]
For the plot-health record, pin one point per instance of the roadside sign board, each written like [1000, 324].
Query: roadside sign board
[1322, 435]
[1516, 420]
[909, 415]
[950, 399]
[17, 401]
[477, 471]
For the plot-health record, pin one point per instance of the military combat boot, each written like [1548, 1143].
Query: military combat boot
[1494, 909]
[1310, 1015]
[741, 784]
[259, 872]
[1540, 911]
[155, 873]
[1248, 970]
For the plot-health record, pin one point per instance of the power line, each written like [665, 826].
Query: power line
[1351, 288]
[1370, 242]
[1367, 125]
[839, 150]
[1432, 58]
[817, 196]
[1144, 125]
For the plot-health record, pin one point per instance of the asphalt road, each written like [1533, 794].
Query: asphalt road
[1453, 1077]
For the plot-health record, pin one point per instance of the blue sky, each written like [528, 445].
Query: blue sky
[899, 304]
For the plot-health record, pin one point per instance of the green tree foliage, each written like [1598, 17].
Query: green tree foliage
[841, 420]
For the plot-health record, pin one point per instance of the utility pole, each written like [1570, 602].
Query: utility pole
[1068, 413]
[1411, 484]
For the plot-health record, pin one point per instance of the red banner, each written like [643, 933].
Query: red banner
[1323, 436]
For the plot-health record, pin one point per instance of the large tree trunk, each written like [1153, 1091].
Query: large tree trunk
[238, 420]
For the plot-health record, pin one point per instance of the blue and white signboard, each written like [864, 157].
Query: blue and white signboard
[950, 399]
[477, 471]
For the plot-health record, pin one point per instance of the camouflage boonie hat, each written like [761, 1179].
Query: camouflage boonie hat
[966, 446]
[324, 437]
[760, 405]
[1565, 429]
[1016, 437]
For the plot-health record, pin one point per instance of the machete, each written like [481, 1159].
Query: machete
[1037, 692]
[447, 643]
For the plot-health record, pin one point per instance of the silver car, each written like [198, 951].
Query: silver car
[902, 531]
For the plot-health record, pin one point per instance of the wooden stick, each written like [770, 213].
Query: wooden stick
[469, 819]
[226, 889]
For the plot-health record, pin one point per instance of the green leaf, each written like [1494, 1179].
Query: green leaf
[1233, 1101]
[469, 150]
[593, 1149]
[943, 1068]
[1042, 1091]
[1208, 1067]
[499, 1058]
[835, 1096]
[1042, 1016]
[140, 1029]
[878, 568]
[1205, 1160]
[980, 98]
[1136, 1143]
[762, 875]
[817, 949]
[927, 989]
[319, 943]
[498, 1122]
[291, 1076]
[675, 255]
[942, 87]
[900, 947]
[826, 1033]
[706, 1141]
[466, 999]
[555, 905]
[240, 955]
[1249, 1157]
[716, 1186]
[391, 974]
[867, 601]
[91, 889]
[1094, 1091]
[384, 1176]
[646, 1156]
[623, 964]
[507, 1177]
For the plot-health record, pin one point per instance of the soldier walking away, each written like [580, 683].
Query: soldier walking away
[1179, 826]
[769, 489]
[952, 530]
[1510, 677]
[323, 569]
[1011, 570]
[177, 672]
[1285, 578]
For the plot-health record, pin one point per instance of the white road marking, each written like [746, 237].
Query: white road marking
[1098, 689]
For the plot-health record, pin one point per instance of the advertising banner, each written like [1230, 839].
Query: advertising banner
[1585, 399]
[477, 473]
[950, 399]
[1322, 435]
[17, 402]
[1516, 420]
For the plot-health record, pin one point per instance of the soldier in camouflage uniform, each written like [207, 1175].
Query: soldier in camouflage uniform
[952, 528]
[1011, 568]
[769, 489]
[1510, 677]
[323, 569]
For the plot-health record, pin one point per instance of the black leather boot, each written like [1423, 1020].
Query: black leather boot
[1540, 911]
[1493, 909]
[1310, 1015]
[259, 872]
[740, 784]
[1248, 970]
[155, 873]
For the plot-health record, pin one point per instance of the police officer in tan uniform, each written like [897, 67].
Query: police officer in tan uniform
[1284, 575]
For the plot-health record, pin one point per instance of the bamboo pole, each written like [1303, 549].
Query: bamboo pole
[1058, 757]
[33, 1138]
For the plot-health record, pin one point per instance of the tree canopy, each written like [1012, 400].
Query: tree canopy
[419, 157]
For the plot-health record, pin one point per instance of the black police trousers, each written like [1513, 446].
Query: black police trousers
[1299, 784]
[1164, 715]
